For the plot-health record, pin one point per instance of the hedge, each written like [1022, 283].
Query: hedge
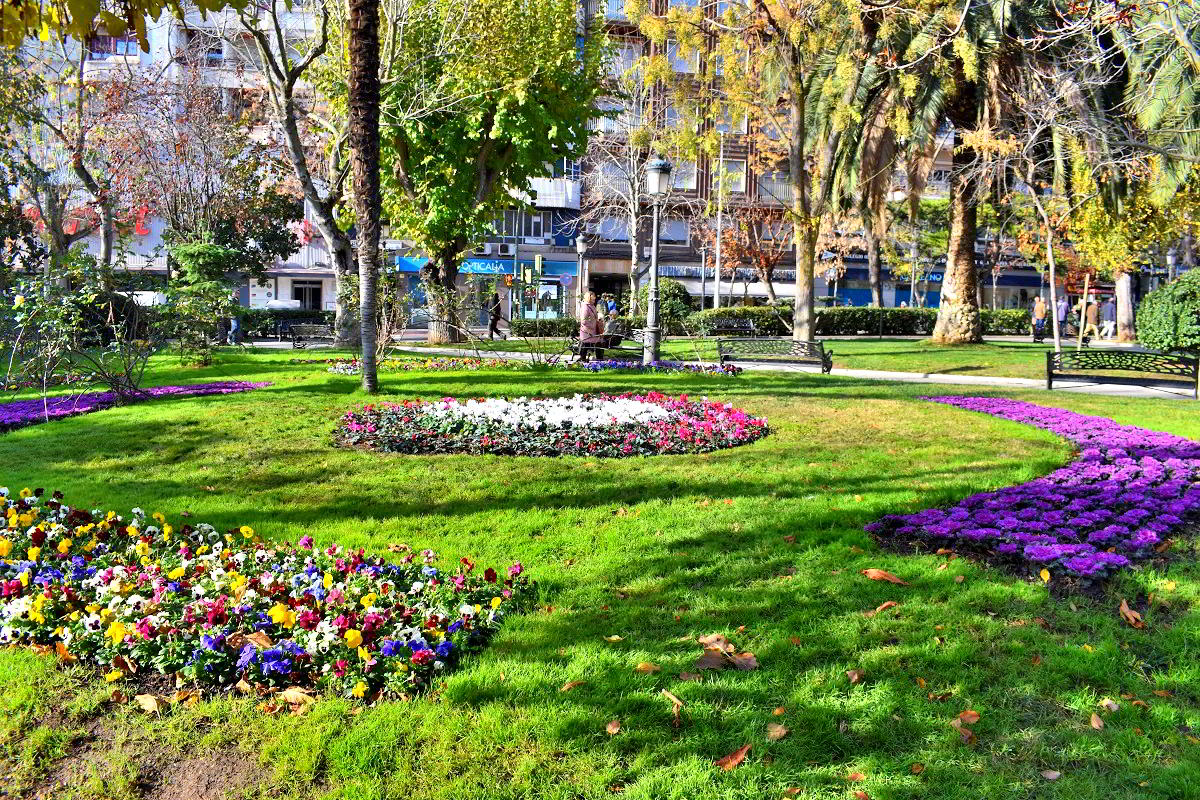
[854, 320]
[1169, 317]
[261, 322]
[563, 328]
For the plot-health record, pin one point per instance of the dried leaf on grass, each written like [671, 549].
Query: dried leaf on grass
[613, 727]
[775, 731]
[1131, 616]
[882, 575]
[733, 759]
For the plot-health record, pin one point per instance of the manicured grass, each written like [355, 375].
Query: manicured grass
[1000, 358]
[657, 551]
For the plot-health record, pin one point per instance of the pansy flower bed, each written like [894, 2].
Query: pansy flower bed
[19, 413]
[134, 594]
[592, 425]
[353, 366]
[1113, 506]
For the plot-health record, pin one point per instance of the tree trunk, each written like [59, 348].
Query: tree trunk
[769, 285]
[342, 254]
[874, 267]
[440, 274]
[804, 326]
[363, 97]
[958, 320]
[1125, 327]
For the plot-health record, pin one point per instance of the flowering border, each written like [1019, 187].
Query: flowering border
[353, 366]
[613, 426]
[21, 413]
[133, 595]
[1113, 506]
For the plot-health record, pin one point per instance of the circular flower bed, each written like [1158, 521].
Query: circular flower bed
[593, 425]
[134, 595]
[19, 413]
[1114, 505]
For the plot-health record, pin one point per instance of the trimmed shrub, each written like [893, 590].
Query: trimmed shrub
[674, 306]
[852, 320]
[563, 328]
[1169, 317]
[768, 320]
[1007, 322]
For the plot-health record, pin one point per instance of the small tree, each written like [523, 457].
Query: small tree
[200, 297]
[1169, 317]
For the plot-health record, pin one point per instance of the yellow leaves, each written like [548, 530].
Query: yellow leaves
[151, 704]
[881, 607]
[614, 638]
[647, 668]
[967, 54]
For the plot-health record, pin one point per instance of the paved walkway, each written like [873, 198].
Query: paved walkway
[1111, 389]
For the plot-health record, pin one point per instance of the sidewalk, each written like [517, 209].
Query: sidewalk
[1070, 387]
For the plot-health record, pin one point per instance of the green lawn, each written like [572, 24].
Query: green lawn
[657, 551]
[1002, 358]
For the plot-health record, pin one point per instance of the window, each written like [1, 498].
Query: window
[680, 62]
[621, 121]
[566, 168]
[203, 47]
[613, 9]
[776, 231]
[514, 224]
[613, 229]
[673, 231]
[624, 58]
[102, 47]
[611, 178]
[775, 187]
[735, 177]
[684, 176]
[308, 293]
[726, 124]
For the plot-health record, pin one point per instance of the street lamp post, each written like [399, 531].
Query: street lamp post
[658, 173]
[581, 249]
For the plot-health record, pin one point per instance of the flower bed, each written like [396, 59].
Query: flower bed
[625, 365]
[1112, 506]
[134, 595]
[19, 413]
[594, 425]
[353, 366]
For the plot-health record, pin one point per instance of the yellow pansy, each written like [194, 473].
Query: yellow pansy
[177, 573]
[19, 300]
[25, 578]
[247, 531]
[353, 637]
[132, 530]
[363, 654]
[158, 517]
[33, 553]
[115, 675]
[327, 580]
[64, 546]
[359, 689]
[142, 548]
[496, 601]
[116, 632]
[167, 531]
[5, 548]
[91, 608]
[26, 492]
[282, 615]
[369, 599]
[25, 520]
[91, 545]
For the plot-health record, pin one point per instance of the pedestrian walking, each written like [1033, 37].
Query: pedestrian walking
[1039, 319]
[1108, 318]
[494, 310]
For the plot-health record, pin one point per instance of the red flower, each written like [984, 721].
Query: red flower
[489, 575]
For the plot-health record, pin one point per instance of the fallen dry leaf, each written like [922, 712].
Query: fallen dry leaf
[733, 759]
[647, 668]
[882, 575]
[796, 641]
[968, 735]
[775, 731]
[790, 539]
[711, 659]
[859, 794]
[1097, 723]
[569, 685]
[959, 578]
[613, 727]
[242, 686]
[856, 777]
[779, 711]
[715, 641]
[744, 661]
[1110, 705]
[969, 717]
[792, 791]
[1131, 616]
[917, 769]
[1162, 693]
[921, 682]
[614, 638]
[690, 676]
[855, 675]
[149, 703]
[63, 654]
[1051, 774]
[882, 607]
[296, 696]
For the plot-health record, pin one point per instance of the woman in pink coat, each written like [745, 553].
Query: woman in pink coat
[589, 328]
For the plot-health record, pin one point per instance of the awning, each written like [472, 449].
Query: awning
[490, 266]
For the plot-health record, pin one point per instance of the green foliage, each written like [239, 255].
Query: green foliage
[854, 321]
[203, 262]
[200, 298]
[563, 328]
[674, 305]
[264, 322]
[80, 18]
[1169, 317]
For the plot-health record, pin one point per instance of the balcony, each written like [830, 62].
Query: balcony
[555, 193]
[775, 190]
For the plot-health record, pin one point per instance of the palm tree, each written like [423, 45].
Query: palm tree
[363, 100]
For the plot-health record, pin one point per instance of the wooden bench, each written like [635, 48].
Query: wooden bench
[1076, 366]
[781, 351]
[302, 334]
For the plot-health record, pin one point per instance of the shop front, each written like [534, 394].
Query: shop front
[529, 288]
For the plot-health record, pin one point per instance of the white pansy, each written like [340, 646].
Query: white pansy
[550, 413]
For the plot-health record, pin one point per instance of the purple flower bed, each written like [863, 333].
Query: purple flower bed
[20, 413]
[1112, 506]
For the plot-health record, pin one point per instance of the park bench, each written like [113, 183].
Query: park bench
[1081, 366]
[632, 343]
[775, 351]
[302, 335]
